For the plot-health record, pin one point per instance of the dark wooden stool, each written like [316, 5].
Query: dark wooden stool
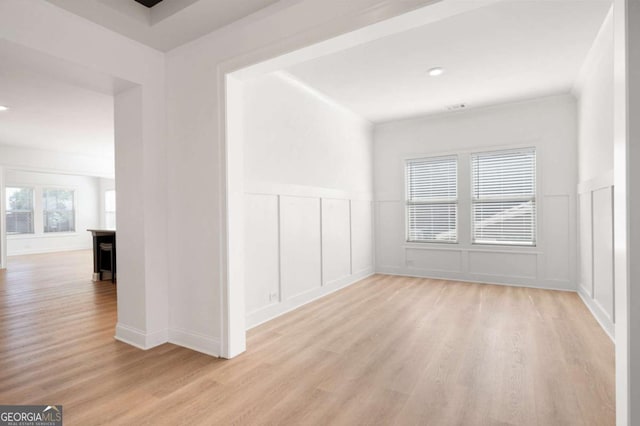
[106, 249]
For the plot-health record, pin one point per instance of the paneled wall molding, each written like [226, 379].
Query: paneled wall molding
[596, 264]
[301, 246]
[540, 266]
[274, 310]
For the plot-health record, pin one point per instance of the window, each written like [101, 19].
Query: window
[110, 209]
[19, 210]
[59, 210]
[504, 197]
[432, 199]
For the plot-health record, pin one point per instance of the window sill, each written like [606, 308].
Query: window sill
[477, 248]
[42, 235]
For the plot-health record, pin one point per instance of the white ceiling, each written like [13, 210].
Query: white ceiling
[166, 25]
[503, 52]
[50, 114]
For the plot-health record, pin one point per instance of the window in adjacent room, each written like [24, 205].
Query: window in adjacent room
[59, 210]
[19, 210]
[110, 209]
[504, 197]
[432, 199]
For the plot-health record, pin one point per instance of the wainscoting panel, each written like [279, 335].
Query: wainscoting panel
[596, 249]
[336, 240]
[603, 249]
[557, 226]
[585, 244]
[434, 260]
[361, 235]
[391, 236]
[552, 263]
[503, 264]
[262, 279]
[300, 245]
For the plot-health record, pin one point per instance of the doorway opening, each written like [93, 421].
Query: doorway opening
[305, 233]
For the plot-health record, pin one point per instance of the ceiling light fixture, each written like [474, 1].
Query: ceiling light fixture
[3, 108]
[434, 72]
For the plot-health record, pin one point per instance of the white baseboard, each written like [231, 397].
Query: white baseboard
[493, 280]
[138, 338]
[195, 341]
[272, 311]
[599, 314]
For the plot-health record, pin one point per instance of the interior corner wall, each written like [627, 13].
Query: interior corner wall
[86, 201]
[595, 187]
[308, 196]
[549, 124]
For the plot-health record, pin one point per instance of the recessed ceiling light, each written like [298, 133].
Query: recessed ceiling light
[3, 108]
[434, 72]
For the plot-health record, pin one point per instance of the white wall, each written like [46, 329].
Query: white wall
[308, 209]
[86, 198]
[627, 209]
[594, 90]
[549, 124]
[295, 136]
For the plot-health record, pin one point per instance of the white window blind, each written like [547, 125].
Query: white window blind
[504, 197]
[432, 199]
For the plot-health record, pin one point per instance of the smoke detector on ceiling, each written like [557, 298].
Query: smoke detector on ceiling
[456, 107]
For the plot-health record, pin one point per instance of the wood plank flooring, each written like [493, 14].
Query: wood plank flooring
[387, 350]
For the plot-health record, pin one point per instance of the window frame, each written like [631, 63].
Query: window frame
[33, 210]
[443, 201]
[108, 212]
[43, 209]
[534, 198]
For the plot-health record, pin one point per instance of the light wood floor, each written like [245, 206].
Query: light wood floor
[387, 350]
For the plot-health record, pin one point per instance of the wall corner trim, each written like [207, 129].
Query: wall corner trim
[195, 341]
[139, 338]
[598, 314]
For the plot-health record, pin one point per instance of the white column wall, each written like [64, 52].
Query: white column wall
[633, 208]
[101, 54]
[627, 209]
